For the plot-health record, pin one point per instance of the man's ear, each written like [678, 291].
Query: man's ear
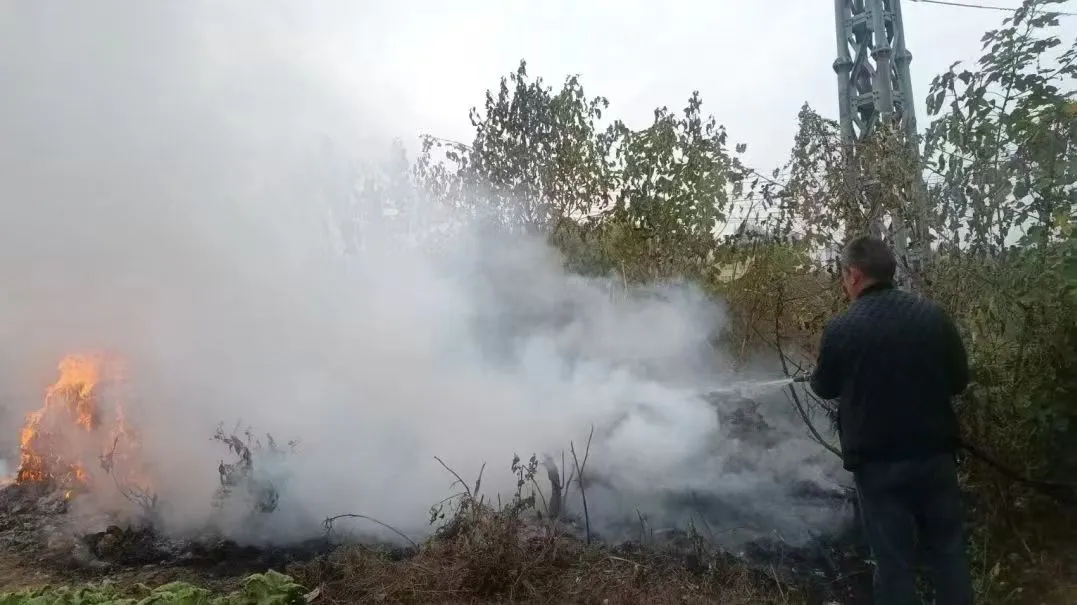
[855, 275]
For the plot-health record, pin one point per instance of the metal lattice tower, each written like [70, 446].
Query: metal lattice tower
[874, 85]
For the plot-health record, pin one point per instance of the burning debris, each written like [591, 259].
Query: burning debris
[80, 441]
[81, 423]
[81, 435]
[47, 451]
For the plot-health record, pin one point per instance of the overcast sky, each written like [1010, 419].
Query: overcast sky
[754, 61]
[416, 66]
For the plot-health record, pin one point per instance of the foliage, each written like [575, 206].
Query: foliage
[538, 156]
[1000, 167]
[383, 201]
[254, 484]
[270, 588]
[649, 204]
[642, 203]
[676, 179]
[668, 201]
[1005, 153]
[832, 190]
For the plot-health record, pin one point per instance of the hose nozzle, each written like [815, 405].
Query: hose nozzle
[802, 378]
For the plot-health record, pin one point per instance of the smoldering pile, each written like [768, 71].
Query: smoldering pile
[755, 474]
[44, 520]
[763, 523]
[40, 522]
[799, 532]
[82, 497]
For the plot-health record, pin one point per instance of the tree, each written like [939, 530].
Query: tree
[677, 182]
[538, 157]
[649, 204]
[1004, 146]
[610, 198]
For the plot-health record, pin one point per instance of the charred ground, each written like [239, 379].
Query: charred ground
[521, 551]
[481, 555]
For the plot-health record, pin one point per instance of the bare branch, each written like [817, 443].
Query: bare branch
[580, 481]
[330, 520]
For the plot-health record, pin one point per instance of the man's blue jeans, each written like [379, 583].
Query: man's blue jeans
[908, 504]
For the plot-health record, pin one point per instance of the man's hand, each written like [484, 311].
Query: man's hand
[826, 378]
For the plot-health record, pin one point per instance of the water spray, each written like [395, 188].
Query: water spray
[750, 389]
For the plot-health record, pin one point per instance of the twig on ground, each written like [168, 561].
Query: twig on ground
[792, 388]
[448, 499]
[564, 469]
[778, 583]
[144, 498]
[471, 492]
[580, 481]
[542, 497]
[553, 507]
[478, 480]
[330, 520]
[1008, 519]
[694, 498]
[1062, 492]
[642, 526]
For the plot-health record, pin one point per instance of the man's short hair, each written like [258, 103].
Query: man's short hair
[871, 256]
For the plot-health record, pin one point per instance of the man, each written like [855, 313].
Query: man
[894, 361]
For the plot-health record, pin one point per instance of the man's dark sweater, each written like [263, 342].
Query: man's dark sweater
[894, 361]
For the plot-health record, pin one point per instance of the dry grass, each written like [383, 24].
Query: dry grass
[1035, 555]
[494, 556]
[490, 556]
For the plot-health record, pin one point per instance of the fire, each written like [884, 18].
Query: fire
[74, 428]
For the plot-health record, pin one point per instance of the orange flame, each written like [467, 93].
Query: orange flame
[60, 439]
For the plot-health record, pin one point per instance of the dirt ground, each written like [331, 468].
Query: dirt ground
[350, 578]
[490, 559]
[16, 573]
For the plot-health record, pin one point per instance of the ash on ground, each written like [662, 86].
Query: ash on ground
[797, 528]
[830, 568]
[37, 523]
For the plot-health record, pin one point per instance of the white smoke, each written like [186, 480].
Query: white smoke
[165, 187]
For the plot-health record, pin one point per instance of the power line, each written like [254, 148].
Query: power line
[983, 6]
